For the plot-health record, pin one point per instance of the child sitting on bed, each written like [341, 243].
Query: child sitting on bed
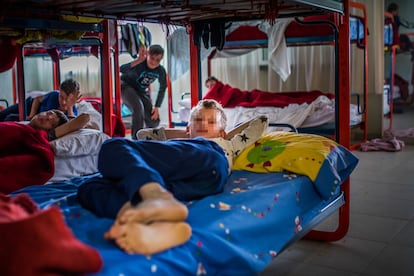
[63, 100]
[143, 181]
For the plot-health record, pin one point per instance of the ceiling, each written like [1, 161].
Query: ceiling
[178, 12]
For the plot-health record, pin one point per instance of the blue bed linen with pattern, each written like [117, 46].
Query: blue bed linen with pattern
[237, 232]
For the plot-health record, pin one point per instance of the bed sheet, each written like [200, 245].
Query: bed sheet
[237, 232]
[319, 112]
[67, 167]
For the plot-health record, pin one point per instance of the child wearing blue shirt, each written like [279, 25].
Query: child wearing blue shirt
[63, 100]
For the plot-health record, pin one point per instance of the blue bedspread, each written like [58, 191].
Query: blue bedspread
[237, 232]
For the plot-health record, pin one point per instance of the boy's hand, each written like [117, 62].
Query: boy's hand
[73, 99]
[155, 114]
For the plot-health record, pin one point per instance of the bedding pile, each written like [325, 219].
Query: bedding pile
[229, 97]
[26, 157]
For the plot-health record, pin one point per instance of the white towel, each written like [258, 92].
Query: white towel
[278, 56]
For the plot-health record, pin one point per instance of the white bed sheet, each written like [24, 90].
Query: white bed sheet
[67, 167]
[317, 113]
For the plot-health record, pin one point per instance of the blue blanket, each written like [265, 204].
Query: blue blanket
[237, 232]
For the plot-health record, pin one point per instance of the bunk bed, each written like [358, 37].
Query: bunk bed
[233, 232]
[298, 32]
[391, 46]
[399, 70]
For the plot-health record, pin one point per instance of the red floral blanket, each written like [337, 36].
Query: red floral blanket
[26, 157]
[231, 97]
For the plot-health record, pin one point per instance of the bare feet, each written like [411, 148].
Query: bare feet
[149, 238]
[155, 224]
[157, 205]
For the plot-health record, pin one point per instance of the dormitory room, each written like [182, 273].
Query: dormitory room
[229, 138]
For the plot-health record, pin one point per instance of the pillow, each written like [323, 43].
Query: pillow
[324, 161]
[186, 103]
[78, 143]
[95, 118]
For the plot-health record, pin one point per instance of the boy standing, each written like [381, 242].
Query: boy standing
[136, 78]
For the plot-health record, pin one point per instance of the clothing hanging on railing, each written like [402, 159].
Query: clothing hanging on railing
[132, 37]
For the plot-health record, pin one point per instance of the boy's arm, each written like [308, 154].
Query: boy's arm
[71, 101]
[161, 134]
[74, 124]
[172, 133]
[35, 107]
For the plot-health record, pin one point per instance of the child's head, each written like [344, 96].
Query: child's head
[207, 119]
[48, 120]
[68, 92]
[154, 56]
[393, 8]
[211, 81]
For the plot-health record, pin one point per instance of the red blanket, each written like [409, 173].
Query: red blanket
[26, 157]
[231, 97]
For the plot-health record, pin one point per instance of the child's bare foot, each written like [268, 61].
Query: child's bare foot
[157, 205]
[151, 238]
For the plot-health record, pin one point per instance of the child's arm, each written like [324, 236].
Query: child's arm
[74, 124]
[71, 101]
[161, 134]
[35, 107]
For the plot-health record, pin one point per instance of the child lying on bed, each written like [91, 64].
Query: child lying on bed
[142, 182]
[57, 124]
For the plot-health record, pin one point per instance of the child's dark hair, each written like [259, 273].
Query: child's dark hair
[392, 7]
[211, 78]
[62, 117]
[156, 50]
[70, 86]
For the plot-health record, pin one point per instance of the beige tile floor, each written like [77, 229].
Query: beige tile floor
[380, 240]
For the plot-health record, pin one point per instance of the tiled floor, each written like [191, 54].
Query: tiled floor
[380, 240]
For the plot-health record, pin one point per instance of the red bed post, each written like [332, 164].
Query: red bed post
[56, 74]
[20, 85]
[362, 8]
[343, 124]
[107, 102]
[194, 70]
[170, 102]
[14, 81]
[116, 74]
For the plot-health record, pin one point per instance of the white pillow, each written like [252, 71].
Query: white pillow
[95, 118]
[186, 102]
[78, 143]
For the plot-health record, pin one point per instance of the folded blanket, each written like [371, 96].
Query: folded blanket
[26, 157]
[229, 96]
[41, 240]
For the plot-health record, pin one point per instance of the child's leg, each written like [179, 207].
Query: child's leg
[101, 196]
[131, 99]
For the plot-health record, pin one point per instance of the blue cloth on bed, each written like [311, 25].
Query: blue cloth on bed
[237, 232]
